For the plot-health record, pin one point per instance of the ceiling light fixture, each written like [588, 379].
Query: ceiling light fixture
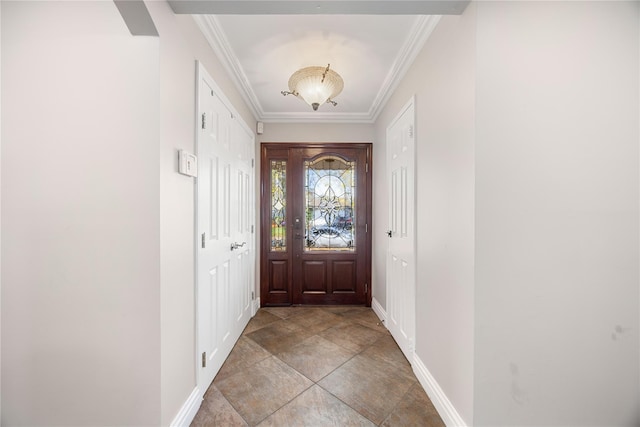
[315, 85]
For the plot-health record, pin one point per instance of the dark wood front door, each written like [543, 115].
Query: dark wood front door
[315, 220]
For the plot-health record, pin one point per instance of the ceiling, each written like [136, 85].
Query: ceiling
[368, 43]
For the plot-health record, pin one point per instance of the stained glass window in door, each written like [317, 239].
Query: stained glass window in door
[278, 205]
[330, 187]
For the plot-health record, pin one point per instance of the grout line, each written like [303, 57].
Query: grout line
[292, 399]
[349, 406]
[230, 404]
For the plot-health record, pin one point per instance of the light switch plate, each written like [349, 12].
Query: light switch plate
[188, 163]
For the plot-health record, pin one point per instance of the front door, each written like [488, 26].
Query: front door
[315, 216]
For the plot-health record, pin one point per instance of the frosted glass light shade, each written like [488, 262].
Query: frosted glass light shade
[308, 85]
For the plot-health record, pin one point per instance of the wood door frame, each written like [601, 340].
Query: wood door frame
[265, 207]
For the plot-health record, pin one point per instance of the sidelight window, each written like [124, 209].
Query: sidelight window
[278, 205]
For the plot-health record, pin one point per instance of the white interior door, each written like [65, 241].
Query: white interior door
[401, 256]
[225, 247]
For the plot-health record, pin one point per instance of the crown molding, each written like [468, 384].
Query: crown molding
[418, 36]
[316, 117]
[219, 43]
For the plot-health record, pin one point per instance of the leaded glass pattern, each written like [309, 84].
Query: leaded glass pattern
[278, 205]
[330, 187]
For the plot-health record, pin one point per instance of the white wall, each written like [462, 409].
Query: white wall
[528, 282]
[316, 132]
[80, 221]
[379, 239]
[0, 212]
[181, 44]
[557, 214]
[443, 81]
[137, 94]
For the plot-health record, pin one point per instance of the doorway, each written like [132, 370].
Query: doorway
[315, 218]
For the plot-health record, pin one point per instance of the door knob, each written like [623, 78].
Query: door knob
[390, 233]
[236, 245]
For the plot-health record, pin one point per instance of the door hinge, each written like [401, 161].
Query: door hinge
[366, 228]
[366, 288]
[253, 296]
[203, 239]
[204, 120]
[410, 131]
[252, 229]
[204, 359]
[252, 162]
[366, 167]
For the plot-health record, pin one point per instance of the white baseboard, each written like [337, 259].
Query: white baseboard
[189, 409]
[443, 405]
[256, 307]
[379, 311]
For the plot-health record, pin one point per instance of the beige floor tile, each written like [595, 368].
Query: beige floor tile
[282, 312]
[315, 357]
[280, 336]
[385, 349]
[260, 320]
[415, 409]
[340, 309]
[365, 317]
[217, 411]
[262, 388]
[277, 328]
[316, 320]
[314, 408]
[245, 353]
[371, 387]
[352, 336]
[361, 375]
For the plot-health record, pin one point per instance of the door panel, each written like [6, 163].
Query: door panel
[314, 276]
[344, 276]
[279, 276]
[316, 211]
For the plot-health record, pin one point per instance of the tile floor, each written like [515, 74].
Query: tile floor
[316, 366]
